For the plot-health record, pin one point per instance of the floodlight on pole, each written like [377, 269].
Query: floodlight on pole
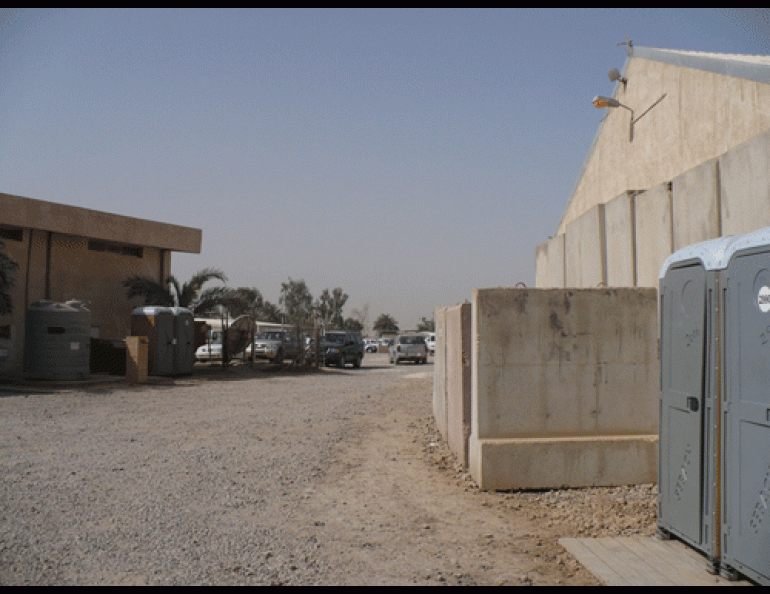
[601, 102]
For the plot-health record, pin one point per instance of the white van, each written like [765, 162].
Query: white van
[430, 341]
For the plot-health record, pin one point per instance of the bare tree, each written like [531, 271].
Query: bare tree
[385, 323]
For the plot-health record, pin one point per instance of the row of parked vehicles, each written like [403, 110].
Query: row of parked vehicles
[337, 348]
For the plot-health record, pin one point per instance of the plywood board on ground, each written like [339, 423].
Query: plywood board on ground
[644, 561]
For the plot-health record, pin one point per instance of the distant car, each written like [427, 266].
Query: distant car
[212, 350]
[209, 352]
[338, 348]
[370, 346]
[430, 342]
[275, 346]
[408, 347]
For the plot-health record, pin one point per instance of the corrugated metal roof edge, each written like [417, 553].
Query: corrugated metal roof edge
[756, 68]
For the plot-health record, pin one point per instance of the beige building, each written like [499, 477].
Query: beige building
[69, 253]
[683, 158]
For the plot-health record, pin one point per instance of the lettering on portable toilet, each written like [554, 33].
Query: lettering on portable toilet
[763, 299]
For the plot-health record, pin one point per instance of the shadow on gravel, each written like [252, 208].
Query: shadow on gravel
[202, 372]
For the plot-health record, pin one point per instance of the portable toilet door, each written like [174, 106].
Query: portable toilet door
[746, 409]
[184, 341]
[157, 324]
[689, 339]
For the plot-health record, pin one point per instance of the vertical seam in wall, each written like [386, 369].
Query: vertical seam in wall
[29, 260]
[603, 243]
[162, 263]
[718, 192]
[632, 208]
[671, 216]
[48, 265]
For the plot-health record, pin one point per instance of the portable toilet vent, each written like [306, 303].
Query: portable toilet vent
[57, 341]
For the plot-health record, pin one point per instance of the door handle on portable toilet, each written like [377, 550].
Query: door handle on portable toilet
[692, 404]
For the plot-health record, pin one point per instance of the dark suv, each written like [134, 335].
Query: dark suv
[339, 347]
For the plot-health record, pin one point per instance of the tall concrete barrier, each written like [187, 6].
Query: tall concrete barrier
[439, 373]
[654, 233]
[458, 382]
[564, 387]
[585, 250]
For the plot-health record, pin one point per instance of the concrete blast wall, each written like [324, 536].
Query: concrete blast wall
[624, 242]
[564, 388]
[452, 377]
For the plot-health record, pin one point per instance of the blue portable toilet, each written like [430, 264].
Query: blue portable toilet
[745, 481]
[689, 395]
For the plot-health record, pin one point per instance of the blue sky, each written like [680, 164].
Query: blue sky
[407, 156]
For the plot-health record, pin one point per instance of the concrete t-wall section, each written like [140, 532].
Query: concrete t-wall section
[458, 379]
[549, 263]
[439, 373]
[745, 186]
[585, 255]
[564, 387]
[620, 233]
[725, 196]
[654, 233]
[695, 205]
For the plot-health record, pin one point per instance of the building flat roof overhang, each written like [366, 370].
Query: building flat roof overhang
[19, 211]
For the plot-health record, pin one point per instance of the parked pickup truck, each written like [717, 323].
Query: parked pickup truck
[339, 347]
[276, 346]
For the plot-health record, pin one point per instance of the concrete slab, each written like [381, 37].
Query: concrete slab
[644, 561]
[620, 225]
[555, 463]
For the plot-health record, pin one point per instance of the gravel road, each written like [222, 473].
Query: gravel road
[265, 476]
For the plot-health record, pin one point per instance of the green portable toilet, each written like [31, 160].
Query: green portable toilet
[157, 324]
[57, 341]
[184, 340]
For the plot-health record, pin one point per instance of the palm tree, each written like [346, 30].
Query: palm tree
[189, 294]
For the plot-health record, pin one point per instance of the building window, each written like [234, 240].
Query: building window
[96, 245]
[12, 233]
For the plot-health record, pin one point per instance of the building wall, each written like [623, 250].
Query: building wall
[694, 116]
[69, 253]
[62, 268]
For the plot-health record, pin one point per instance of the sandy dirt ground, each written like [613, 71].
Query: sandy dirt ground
[265, 476]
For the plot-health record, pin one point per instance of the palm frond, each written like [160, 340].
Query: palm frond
[190, 290]
[149, 289]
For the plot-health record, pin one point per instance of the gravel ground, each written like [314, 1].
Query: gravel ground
[265, 476]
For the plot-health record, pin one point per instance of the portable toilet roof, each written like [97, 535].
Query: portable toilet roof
[714, 254]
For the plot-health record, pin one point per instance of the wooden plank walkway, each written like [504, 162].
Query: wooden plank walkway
[643, 561]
